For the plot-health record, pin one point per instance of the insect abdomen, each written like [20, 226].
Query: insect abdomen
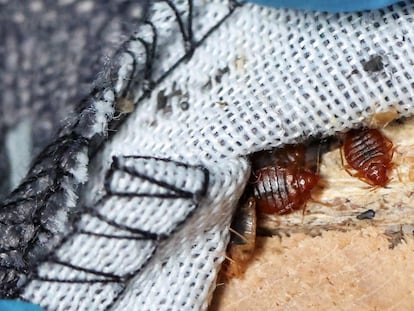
[281, 190]
[369, 153]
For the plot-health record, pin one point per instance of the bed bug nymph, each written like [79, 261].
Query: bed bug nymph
[370, 153]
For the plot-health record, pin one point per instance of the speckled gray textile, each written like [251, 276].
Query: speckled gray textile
[51, 53]
[54, 55]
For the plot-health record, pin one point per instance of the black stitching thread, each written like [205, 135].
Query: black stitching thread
[136, 234]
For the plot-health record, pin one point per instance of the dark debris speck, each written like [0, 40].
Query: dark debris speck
[374, 64]
[369, 214]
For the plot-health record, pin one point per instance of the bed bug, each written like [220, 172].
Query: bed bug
[282, 189]
[290, 154]
[282, 182]
[370, 153]
[287, 156]
[243, 240]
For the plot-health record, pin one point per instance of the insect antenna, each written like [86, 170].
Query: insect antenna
[241, 236]
[345, 166]
[229, 259]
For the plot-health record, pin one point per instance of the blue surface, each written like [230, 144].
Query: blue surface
[13, 305]
[327, 5]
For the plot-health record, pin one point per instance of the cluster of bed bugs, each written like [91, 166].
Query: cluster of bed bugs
[282, 182]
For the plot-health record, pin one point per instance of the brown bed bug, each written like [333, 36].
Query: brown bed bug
[285, 185]
[290, 154]
[243, 240]
[283, 189]
[369, 153]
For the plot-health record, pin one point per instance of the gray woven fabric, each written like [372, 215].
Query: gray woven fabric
[51, 54]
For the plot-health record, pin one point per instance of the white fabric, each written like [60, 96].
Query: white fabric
[263, 78]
